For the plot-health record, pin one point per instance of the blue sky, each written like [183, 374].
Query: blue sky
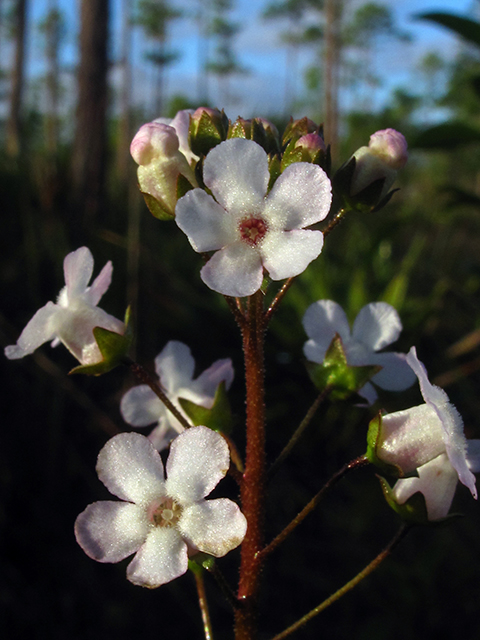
[259, 49]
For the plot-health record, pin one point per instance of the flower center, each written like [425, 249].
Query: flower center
[167, 513]
[252, 230]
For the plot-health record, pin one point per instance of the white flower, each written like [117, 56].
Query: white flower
[385, 155]
[430, 439]
[175, 365]
[249, 229]
[376, 326]
[73, 317]
[161, 521]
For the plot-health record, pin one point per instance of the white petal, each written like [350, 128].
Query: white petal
[473, 455]
[301, 196]
[164, 433]
[40, 329]
[322, 320]
[78, 269]
[199, 458]
[377, 325]
[131, 469]
[368, 392]
[202, 390]
[175, 366]
[234, 271]
[396, 375]
[74, 327]
[141, 407]
[452, 423]
[111, 531]
[100, 285]
[163, 557]
[437, 481]
[237, 173]
[213, 526]
[287, 254]
[411, 437]
[208, 226]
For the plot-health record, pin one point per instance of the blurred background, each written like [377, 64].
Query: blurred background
[76, 81]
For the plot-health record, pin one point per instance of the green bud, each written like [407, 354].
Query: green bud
[208, 127]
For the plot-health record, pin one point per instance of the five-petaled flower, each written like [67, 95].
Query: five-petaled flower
[73, 317]
[429, 438]
[376, 326]
[162, 522]
[175, 365]
[248, 229]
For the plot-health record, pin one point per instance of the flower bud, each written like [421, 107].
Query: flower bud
[299, 128]
[385, 155]
[261, 131]
[308, 148]
[208, 127]
[155, 148]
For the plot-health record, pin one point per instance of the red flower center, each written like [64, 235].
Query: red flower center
[252, 230]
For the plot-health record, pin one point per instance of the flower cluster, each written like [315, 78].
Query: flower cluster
[175, 365]
[161, 521]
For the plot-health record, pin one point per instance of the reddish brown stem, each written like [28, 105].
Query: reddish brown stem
[253, 484]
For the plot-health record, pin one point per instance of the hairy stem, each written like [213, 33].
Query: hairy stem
[253, 483]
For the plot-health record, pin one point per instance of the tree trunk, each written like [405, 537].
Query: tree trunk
[333, 10]
[124, 161]
[14, 123]
[90, 144]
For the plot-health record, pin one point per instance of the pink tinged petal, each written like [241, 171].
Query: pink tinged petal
[213, 526]
[78, 269]
[235, 270]
[199, 458]
[301, 196]
[287, 254]
[131, 468]
[437, 481]
[152, 141]
[377, 325]
[237, 173]
[100, 285]
[111, 531]
[175, 366]
[322, 320]
[207, 225]
[410, 438]
[162, 558]
[451, 421]
[396, 375]
[473, 455]
[141, 407]
[181, 124]
[40, 329]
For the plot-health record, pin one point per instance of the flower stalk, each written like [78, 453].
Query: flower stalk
[202, 601]
[401, 533]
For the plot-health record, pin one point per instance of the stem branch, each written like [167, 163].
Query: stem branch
[401, 533]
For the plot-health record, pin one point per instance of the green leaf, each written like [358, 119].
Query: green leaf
[464, 27]
[113, 347]
[218, 418]
[336, 373]
[447, 136]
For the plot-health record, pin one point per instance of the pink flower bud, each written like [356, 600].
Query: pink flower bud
[152, 141]
[391, 146]
[311, 142]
